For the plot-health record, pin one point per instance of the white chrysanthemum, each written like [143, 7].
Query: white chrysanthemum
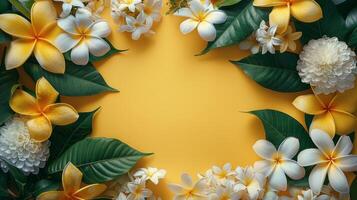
[328, 65]
[18, 149]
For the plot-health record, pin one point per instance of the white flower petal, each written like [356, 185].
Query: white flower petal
[137, 34]
[207, 31]
[263, 166]
[293, 170]
[186, 180]
[310, 157]
[322, 140]
[289, 147]
[264, 149]
[77, 3]
[97, 46]
[65, 42]
[188, 26]
[68, 24]
[83, 18]
[66, 9]
[196, 7]
[177, 189]
[100, 29]
[184, 12]
[80, 54]
[216, 17]
[317, 178]
[347, 163]
[277, 179]
[344, 146]
[338, 180]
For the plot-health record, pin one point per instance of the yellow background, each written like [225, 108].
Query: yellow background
[186, 109]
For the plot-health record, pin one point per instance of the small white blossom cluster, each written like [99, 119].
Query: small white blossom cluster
[18, 149]
[328, 65]
[94, 6]
[134, 187]
[136, 16]
[267, 179]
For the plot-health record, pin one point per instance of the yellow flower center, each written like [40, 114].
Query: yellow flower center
[201, 16]
[278, 159]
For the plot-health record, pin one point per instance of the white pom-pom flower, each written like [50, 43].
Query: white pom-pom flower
[328, 65]
[19, 150]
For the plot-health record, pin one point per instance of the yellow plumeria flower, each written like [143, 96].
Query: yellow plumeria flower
[289, 40]
[333, 113]
[42, 111]
[33, 37]
[303, 10]
[71, 182]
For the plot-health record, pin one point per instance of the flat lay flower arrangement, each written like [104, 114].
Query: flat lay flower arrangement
[295, 46]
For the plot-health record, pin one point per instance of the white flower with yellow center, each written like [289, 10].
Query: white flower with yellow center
[83, 36]
[188, 190]
[279, 162]
[150, 173]
[131, 5]
[225, 192]
[152, 10]
[250, 183]
[266, 36]
[18, 149]
[138, 190]
[201, 17]
[330, 160]
[67, 6]
[220, 175]
[137, 26]
[328, 65]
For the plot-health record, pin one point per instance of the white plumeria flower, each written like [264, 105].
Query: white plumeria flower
[67, 6]
[131, 5]
[152, 174]
[225, 192]
[137, 26]
[266, 37]
[279, 162]
[122, 196]
[189, 190]
[250, 183]
[222, 174]
[152, 10]
[271, 195]
[83, 35]
[330, 160]
[306, 195]
[201, 17]
[138, 190]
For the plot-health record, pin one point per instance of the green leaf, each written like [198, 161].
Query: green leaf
[278, 126]
[99, 159]
[4, 38]
[351, 20]
[223, 3]
[274, 71]
[332, 24]
[23, 6]
[3, 185]
[243, 20]
[45, 185]
[353, 189]
[308, 120]
[353, 39]
[19, 178]
[8, 78]
[77, 80]
[93, 58]
[4, 6]
[65, 136]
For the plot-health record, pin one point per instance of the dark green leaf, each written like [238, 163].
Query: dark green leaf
[44, 186]
[8, 78]
[223, 3]
[77, 80]
[353, 189]
[274, 71]
[278, 126]
[4, 6]
[100, 159]
[23, 6]
[65, 136]
[3, 185]
[243, 20]
[346, 6]
[332, 24]
[337, 137]
[308, 120]
[353, 39]
[19, 178]
[351, 20]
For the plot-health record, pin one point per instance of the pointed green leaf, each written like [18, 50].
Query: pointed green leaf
[65, 136]
[332, 24]
[99, 159]
[23, 6]
[351, 20]
[224, 3]
[278, 126]
[3, 185]
[353, 189]
[45, 185]
[274, 71]
[77, 80]
[243, 20]
[352, 42]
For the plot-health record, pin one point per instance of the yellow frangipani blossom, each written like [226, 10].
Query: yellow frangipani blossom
[42, 111]
[303, 10]
[332, 113]
[71, 182]
[34, 37]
